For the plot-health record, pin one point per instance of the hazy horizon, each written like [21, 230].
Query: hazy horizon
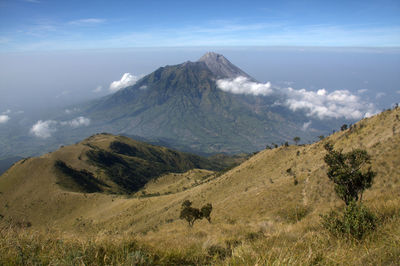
[40, 80]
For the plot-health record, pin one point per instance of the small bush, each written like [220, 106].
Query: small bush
[357, 221]
[219, 252]
[251, 236]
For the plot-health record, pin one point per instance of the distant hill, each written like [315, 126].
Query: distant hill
[117, 164]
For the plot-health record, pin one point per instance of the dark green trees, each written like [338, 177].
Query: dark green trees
[345, 170]
[191, 214]
[351, 178]
[206, 211]
[296, 139]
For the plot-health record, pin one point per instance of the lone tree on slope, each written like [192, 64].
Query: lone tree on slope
[345, 170]
[296, 139]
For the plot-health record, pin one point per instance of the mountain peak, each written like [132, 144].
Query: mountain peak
[211, 56]
[221, 67]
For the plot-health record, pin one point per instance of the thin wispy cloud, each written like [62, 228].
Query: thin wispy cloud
[98, 89]
[86, 22]
[77, 122]
[249, 34]
[380, 95]
[70, 111]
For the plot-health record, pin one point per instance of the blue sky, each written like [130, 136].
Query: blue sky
[45, 25]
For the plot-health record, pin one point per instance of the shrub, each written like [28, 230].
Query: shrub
[219, 252]
[356, 221]
[345, 170]
[206, 211]
[191, 214]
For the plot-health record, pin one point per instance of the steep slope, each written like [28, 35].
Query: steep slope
[221, 67]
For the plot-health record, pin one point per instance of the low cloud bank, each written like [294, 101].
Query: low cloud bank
[320, 104]
[126, 81]
[45, 129]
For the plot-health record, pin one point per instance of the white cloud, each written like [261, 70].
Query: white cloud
[321, 104]
[4, 119]
[126, 80]
[77, 122]
[98, 89]
[362, 91]
[86, 22]
[306, 126]
[398, 92]
[380, 95]
[143, 87]
[44, 129]
[242, 85]
[6, 112]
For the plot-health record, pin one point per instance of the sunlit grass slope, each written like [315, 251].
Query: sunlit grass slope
[260, 215]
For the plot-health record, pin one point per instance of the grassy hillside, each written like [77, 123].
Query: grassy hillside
[260, 216]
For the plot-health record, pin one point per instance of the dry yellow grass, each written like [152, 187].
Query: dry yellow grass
[259, 215]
